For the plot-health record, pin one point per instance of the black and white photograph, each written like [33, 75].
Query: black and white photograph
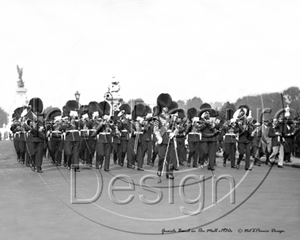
[149, 119]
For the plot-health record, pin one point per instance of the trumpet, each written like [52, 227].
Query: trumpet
[108, 125]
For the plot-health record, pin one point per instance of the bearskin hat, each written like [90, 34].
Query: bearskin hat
[65, 111]
[214, 113]
[181, 113]
[148, 109]
[36, 105]
[52, 113]
[191, 112]
[93, 107]
[204, 108]
[205, 105]
[164, 100]
[84, 109]
[173, 108]
[138, 111]
[72, 105]
[126, 108]
[104, 108]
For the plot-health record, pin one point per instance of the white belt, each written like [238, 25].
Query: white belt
[230, 134]
[104, 133]
[17, 134]
[138, 132]
[59, 132]
[194, 133]
[124, 130]
[72, 131]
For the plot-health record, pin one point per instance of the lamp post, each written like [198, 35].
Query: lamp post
[77, 96]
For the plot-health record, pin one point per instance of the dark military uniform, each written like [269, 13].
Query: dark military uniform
[229, 132]
[19, 140]
[193, 138]
[35, 141]
[104, 146]
[124, 142]
[147, 142]
[166, 151]
[244, 144]
[88, 141]
[209, 136]
[72, 143]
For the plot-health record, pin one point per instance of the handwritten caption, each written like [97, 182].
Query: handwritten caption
[221, 230]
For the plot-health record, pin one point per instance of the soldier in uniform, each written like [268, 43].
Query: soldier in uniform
[154, 139]
[229, 131]
[289, 139]
[193, 137]
[84, 117]
[18, 135]
[274, 134]
[209, 129]
[266, 140]
[164, 135]
[55, 136]
[245, 138]
[124, 118]
[88, 143]
[36, 133]
[116, 141]
[72, 135]
[180, 138]
[147, 136]
[257, 142]
[135, 147]
[104, 137]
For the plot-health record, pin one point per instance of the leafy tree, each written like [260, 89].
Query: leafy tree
[291, 96]
[195, 102]
[181, 104]
[216, 105]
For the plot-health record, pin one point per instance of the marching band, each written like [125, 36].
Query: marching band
[92, 133]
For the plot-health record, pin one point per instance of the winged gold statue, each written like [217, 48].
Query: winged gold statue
[20, 82]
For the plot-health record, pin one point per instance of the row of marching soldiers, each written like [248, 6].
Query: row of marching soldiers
[90, 131]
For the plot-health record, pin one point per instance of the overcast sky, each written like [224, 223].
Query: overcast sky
[216, 50]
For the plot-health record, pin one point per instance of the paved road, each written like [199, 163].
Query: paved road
[265, 203]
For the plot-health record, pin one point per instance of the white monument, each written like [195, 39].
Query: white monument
[20, 98]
